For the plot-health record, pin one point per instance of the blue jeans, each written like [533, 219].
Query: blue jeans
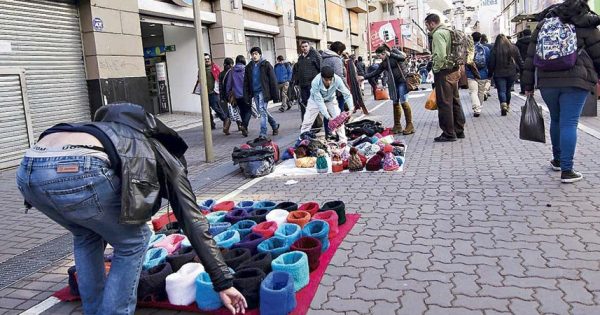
[87, 202]
[565, 105]
[265, 117]
[402, 91]
[503, 85]
[424, 74]
[213, 102]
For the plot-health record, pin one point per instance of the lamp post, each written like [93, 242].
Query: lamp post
[208, 144]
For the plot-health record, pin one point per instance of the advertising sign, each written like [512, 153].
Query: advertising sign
[163, 93]
[386, 32]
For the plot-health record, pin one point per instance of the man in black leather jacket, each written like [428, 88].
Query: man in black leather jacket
[103, 181]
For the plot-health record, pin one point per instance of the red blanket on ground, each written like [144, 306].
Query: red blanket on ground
[303, 297]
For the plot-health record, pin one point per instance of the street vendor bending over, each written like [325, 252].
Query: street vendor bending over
[322, 99]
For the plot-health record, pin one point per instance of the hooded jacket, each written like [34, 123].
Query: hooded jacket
[584, 74]
[396, 65]
[523, 45]
[235, 81]
[307, 68]
[505, 68]
[335, 61]
[268, 82]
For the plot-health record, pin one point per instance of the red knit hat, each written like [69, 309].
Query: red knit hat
[388, 149]
[266, 229]
[224, 206]
[311, 247]
[331, 218]
[299, 217]
[310, 207]
[163, 220]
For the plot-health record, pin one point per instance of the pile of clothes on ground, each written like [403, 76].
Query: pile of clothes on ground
[256, 158]
[371, 147]
[271, 249]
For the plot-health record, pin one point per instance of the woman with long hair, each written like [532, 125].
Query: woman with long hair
[505, 62]
[565, 91]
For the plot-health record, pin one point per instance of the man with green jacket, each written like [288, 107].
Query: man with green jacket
[446, 75]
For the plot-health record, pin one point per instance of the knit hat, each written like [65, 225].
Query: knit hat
[234, 257]
[278, 215]
[331, 218]
[246, 205]
[265, 204]
[154, 257]
[310, 207]
[224, 206]
[171, 243]
[170, 228]
[388, 148]
[296, 264]
[371, 150]
[322, 165]
[299, 217]
[274, 245]
[261, 261]
[227, 239]
[155, 238]
[236, 215]
[73, 285]
[217, 216]
[277, 294]
[181, 286]
[363, 146]
[216, 228]
[390, 163]
[374, 139]
[258, 215]
[151, 286]
[318, 229]
[207, 299]
[400, 160]
[311, 247]
[207, 204]
[287, 205]
[162, 220]
[244, 227]
[250, 242]
[266, 229]
[290, 232]
[247, 281]
[339, 207]
[387, 139]
[375, 163]
[354, 163]
[181, 257]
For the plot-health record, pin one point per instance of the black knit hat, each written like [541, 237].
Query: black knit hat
[261, 261]
[258, 215]
[234, 257]
[151, 287]
[247, 281]
[181, 257]
[339, 207]
[73, 286]
[170, 228]
[287, 205]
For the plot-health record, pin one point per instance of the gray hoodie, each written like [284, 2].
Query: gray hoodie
[335, 61]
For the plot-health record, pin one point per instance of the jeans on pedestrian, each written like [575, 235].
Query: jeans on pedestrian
[477, 93]
[265, 117]
[283, 93]
[402, 90]
[450, 114]
[341, 102]
[87, 202]
[503, 85]
[214, 103]
[245, 111]
[565, 105]
[424, 74]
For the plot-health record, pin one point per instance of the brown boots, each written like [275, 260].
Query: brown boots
[226, 125]
[397, 118]
[409, 129]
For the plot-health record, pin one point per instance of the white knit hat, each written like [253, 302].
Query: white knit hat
[181, 286]
[278, 215]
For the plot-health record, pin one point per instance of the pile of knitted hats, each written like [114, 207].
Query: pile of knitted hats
[376, 153]
[270, 248]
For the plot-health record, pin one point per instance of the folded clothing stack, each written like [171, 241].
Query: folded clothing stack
[310, 207]
[274, 245]
[207, 205]
[224, 206]
[244, 227]
[278, 215]
[183, 256]
[171, 243]
[218, 227]
[227, 239]
[236, 215]
[217, 216]
[207, 299]
[235, 256]
[287, 205]
[162, 220]
[265, 204]
[299, 217]
[331, 218]
[266, 229]
[246, 205]
[261, 261]
[339, 207]
[154, 257]
[258, 215]
[290, 232]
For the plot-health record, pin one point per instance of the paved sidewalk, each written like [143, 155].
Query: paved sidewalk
[478, 226]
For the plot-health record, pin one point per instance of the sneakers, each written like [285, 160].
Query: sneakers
[555, 165]
[570, 176]
[443, 138]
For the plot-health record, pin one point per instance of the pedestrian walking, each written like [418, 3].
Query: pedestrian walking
[283, 72]
[566, 88]
[361, 70]
[446, 76]
[306, 69]
[394, 62]
[260, 85]
[374, 80]
[235, 93]
[505, 62]
[102, 181]
[212, 79]
[477, 85]
[223, 76]
[523, 45]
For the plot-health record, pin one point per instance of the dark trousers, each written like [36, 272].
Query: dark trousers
[304, 96]
[215, 104]
[450, 114]
[245, 111]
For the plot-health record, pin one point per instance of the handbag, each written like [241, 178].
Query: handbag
[413, 80]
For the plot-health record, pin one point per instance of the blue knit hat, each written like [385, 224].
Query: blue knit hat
[207, 205]
[275, 245]
[217, 216]
[217, 228]
[258, 215]
[244, 227]
[277, 294]
[265, 204]
[235, 216]
[154, 257]
[227, 239]
[207, 299]
[250, 242]
[290, 232]
[296, 264]
[156, 238]
[318, 229]
[246, 205]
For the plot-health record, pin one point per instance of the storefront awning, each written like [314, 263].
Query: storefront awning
[167, 10]
[523, 17]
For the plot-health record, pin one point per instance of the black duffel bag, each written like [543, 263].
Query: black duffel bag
[254, 162]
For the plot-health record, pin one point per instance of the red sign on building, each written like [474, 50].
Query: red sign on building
[386, 32]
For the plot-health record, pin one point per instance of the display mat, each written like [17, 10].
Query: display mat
[288, 168]
[303, 297]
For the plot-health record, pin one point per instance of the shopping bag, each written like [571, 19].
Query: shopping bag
[381, 94]
[431, 103]
[234, 113]
[531, 127]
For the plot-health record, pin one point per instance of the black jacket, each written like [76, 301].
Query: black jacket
[268, 81]
[394, 63]
[584, 74]
[307, 68]
[153, 166]
[223, 84]
[505, 68]
[523, 45]
[361, 69]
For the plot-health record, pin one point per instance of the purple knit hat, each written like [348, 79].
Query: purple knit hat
[250, 242]
[236, 215]
[311, 246]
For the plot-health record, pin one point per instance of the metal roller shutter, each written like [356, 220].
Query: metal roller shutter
[45, 40]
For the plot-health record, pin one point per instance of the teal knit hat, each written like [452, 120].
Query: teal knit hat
[227, 239]
[290, 232]
[217, 216]
[244, 227]
[318, 229]
[275, 245]
[296, 264]
[154, 257]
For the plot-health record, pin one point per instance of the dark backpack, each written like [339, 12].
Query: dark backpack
[480, 58]
[459, 47]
